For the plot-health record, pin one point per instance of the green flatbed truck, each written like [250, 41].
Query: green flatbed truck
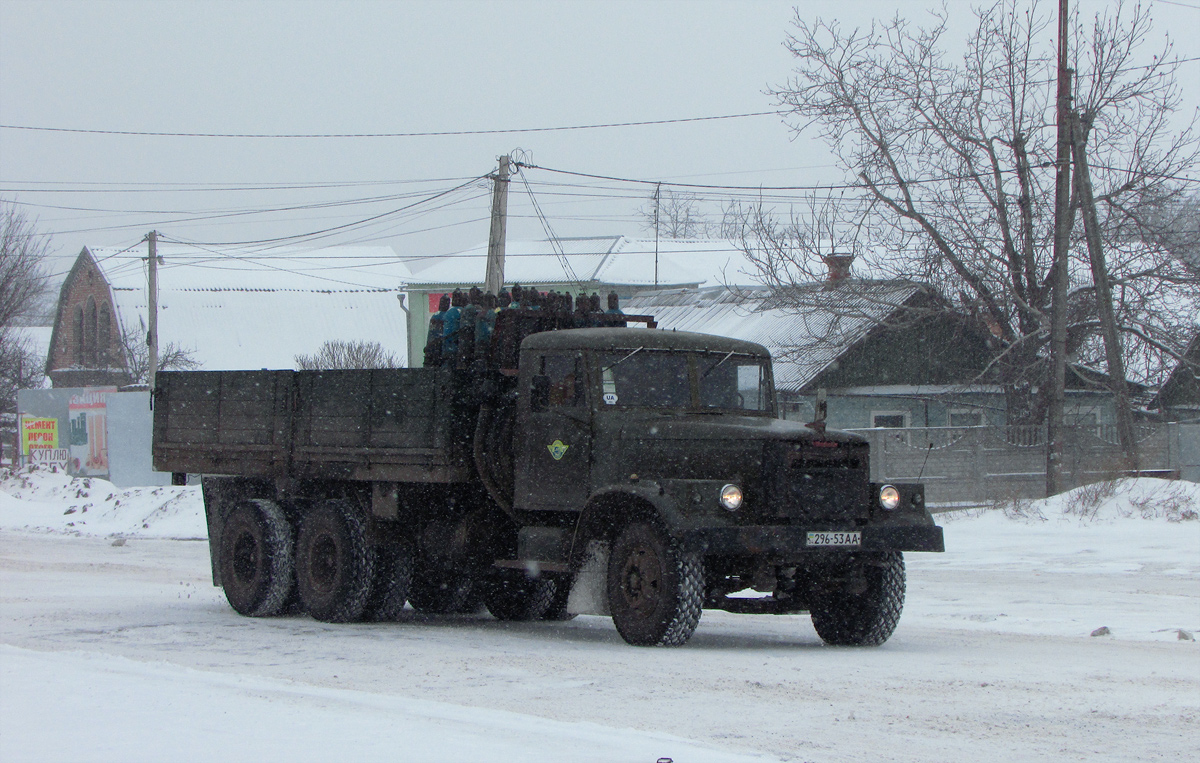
[629, 472]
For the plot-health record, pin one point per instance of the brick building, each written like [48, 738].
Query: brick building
[85, 345]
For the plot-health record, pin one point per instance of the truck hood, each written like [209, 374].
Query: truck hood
[706, 447]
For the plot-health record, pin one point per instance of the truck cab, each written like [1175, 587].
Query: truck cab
[678, 434]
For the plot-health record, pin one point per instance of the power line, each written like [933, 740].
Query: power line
[333, 229]
[135, 187]
[428, 134]
[1178, 4]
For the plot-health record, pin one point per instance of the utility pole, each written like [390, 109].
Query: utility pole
[493, 280]
[1059, 274]
[657, 196]
[1104, 304]
[152, 334]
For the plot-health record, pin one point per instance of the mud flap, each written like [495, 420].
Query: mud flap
[589, 593]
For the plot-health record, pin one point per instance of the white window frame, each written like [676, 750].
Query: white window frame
[906, 417]
[952, 412]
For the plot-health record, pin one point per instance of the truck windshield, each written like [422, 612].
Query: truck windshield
[666, 379]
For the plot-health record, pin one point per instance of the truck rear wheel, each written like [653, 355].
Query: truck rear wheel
[334, 563]
[869, 617]
[655, 589]
[393, 578]
[513, 595]
[256, 558]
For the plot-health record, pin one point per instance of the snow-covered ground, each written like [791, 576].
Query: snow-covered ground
[115, 646]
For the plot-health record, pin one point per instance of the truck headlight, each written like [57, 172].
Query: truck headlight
[889, 497]
[731, 497]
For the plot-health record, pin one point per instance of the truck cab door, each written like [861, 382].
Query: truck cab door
[554, 440]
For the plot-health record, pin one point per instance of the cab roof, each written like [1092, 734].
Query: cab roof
[633, 338]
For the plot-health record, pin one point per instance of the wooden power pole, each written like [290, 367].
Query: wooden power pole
[152, 333]
[1059, 273]
[493, 280]
[1104, 301]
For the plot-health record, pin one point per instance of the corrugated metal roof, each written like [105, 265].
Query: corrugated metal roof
[805, 332]
[231, 309]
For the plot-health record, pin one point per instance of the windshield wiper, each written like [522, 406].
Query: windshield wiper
[713, 367]
[622, 360]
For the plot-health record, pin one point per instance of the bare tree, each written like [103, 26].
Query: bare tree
[674, 214]
[23, 253]
[343, 354]
[171, 357]
[953, 163]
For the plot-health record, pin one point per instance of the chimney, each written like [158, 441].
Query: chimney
[839, 266]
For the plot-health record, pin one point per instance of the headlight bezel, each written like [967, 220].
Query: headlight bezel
[731, 497]
[889, 497]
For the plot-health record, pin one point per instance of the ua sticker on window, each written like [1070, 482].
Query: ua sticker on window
[558, 449]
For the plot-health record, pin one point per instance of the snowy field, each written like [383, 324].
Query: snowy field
[115, 646]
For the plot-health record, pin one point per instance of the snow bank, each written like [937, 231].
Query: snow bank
[49, 500]
[1118, 559]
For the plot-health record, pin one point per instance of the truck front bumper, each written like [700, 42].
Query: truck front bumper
[792, 542]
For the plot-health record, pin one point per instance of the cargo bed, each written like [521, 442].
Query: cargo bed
[399, 425]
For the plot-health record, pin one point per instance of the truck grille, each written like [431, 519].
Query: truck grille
[822, 482]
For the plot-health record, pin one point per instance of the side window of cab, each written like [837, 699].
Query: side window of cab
[559, 382]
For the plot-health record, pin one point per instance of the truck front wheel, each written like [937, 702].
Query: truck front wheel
[655, 590]
[334, 563]
[256, 558]
[863, 616]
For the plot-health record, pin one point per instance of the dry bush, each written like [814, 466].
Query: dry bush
[1170, 502]
[1085, 502]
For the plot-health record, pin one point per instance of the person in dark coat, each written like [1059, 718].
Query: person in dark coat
[450, 327]
[614, 308]
[466, 328]
[433, 339]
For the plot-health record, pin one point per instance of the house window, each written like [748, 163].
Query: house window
[105, 336]
[965, 417]
[1079, 418]
[1086, 420]
[889, 419]
[90, 329]
[79, 338]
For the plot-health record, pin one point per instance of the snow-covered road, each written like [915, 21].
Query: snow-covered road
[128, 653]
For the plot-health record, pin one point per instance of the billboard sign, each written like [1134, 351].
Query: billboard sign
[87, 438]
[38, 433]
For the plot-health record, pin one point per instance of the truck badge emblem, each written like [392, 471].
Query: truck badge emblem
[558, 449]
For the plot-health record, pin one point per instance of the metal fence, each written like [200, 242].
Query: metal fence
[976, 465]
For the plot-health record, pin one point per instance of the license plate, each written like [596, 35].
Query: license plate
[835, 539]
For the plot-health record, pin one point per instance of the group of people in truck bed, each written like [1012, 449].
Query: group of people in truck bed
[476, 330]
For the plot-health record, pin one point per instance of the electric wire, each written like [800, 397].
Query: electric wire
[325, 232]
[426, 134]
[554, 242]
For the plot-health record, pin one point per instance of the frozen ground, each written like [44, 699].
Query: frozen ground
[126, 652]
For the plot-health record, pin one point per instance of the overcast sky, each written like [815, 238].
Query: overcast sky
[388, 67]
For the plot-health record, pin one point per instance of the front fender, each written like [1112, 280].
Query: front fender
[611, 507]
